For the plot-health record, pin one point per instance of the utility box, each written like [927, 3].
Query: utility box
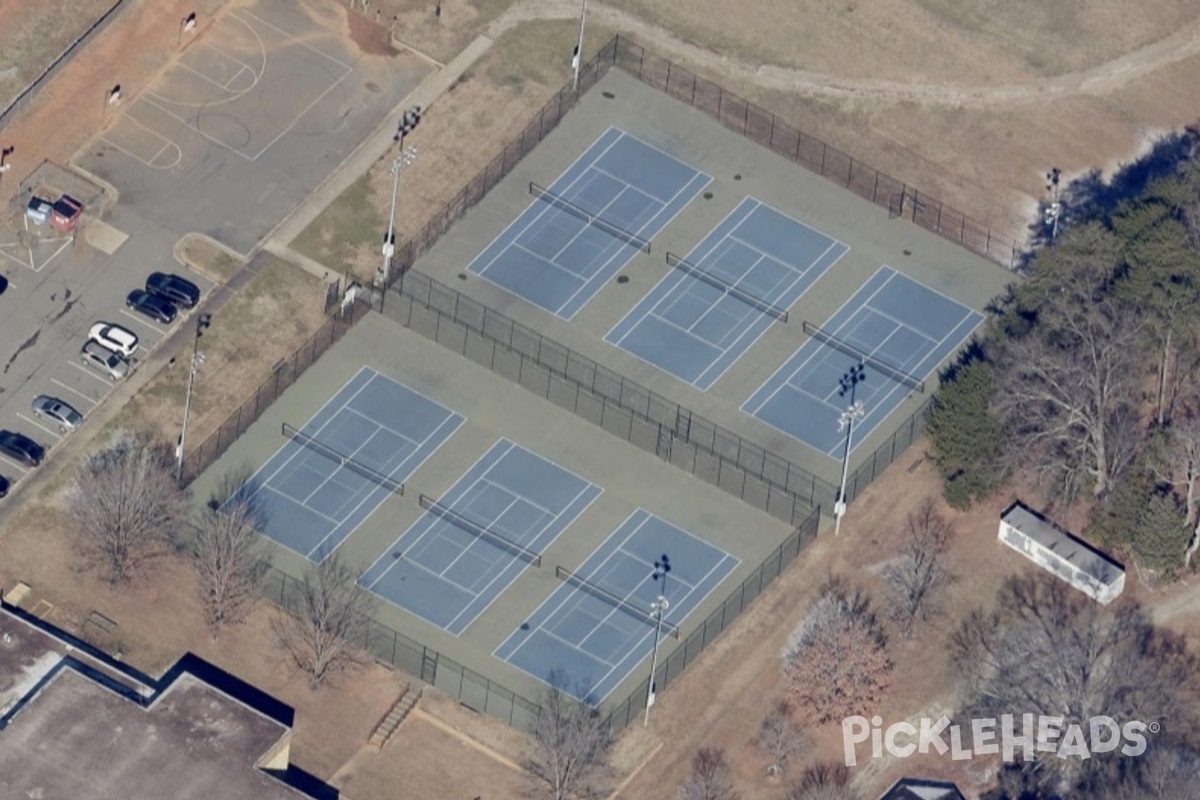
[64, 216]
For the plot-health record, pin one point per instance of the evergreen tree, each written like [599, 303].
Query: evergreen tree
[966, 437]
[1162, 534]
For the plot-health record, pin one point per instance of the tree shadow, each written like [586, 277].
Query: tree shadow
[1090, 197]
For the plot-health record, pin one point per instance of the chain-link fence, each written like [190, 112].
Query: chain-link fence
[543, 122]
[482, 694]
[765, 128]
[612, 401]
[283, 375]
[27, 94]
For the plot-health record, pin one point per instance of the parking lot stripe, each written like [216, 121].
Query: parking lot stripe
[34, 422]
[91, 372]
[17, 464]
[144, 322]
[73, 390]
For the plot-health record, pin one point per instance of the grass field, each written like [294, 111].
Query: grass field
[969, 99]
[33, 34]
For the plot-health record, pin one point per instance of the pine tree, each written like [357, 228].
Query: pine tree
[966, 437]
[1162, 534]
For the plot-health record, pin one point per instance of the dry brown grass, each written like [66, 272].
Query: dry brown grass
[33, 34]
[266, 321]
[207, 257]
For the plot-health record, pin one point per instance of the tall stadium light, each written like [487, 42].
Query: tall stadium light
[402, 160]
[410, 119]
[579, 47]
[4, 166]
[202, 322]
[853, 413]
[1054, 211]
[658, 608]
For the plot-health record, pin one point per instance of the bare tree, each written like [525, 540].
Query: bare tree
[1167, 771]
[231, 562]
[569, 756]
[779, 736]
[1049, 649]
[126, 505]
[1070, 390]
[921, 573]
[711, 778]
[823, 782]
[836, 661]
[327, 621]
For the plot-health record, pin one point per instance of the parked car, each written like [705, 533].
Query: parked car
[3, 486]
[21, 448]
[105, 360]
[3, 284]
[179, 291]
[57, 411]
[115, 338]
[154, 306]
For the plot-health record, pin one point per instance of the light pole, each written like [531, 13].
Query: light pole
[579, 47]
[853, 413]
[202, 322]
[1055, 210]
[659, 607]
[402, 160]
[408, 121]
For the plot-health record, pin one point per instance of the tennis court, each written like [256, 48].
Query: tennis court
[576, 235]
[723, 295]
[898, 328]
[599, 624]
[475, 540]
[339, 467]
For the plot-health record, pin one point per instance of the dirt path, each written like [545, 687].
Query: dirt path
[1100, 80]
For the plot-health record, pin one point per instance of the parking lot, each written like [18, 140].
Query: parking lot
[45, 317]
[224, 142]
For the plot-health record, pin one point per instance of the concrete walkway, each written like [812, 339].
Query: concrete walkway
[373, 148]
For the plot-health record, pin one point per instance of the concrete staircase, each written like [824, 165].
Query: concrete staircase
[400, 709]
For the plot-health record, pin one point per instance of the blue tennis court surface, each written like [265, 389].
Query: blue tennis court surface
[558, 261]
[447, 574]
[696, 327]
[597, 644]
[893, 318]
[310, 502]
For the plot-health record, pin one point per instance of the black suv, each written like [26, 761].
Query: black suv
[3, 486]
[21, 448]
[179, 291]
[154, 306]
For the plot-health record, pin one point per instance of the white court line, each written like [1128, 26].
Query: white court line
[92, 372]
[56, 434]
[553, 519]
[452, 419]
[672, 275]
[697, 174]
[75, 391]
[532, 203]
[816, 351]
[293, 38]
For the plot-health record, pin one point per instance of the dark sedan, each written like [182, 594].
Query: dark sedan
[179, 291]
[3, 486]
[153, 306]
[21, 448]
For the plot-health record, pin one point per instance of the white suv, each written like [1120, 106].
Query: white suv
[115, 338]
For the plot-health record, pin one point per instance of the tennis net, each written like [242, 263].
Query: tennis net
[895, 374]
[615, 600]
[479, 531]
[553, 199]
[391, 484]
[726, 287]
